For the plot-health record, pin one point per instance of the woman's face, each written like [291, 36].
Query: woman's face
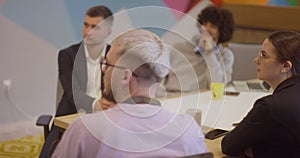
[268, 67]
[212, 30]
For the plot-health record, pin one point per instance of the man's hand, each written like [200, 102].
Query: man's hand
[103, 104]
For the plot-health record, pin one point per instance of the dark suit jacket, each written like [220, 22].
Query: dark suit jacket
[272, 127]
[72, 68]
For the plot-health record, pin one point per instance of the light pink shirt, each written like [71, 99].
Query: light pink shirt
[132, 130]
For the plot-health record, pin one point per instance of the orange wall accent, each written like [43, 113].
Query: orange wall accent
[251, 2]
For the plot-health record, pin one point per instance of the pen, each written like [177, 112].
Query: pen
[232, 93]
[235, 124]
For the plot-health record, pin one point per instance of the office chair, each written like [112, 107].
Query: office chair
[44, 120]
[202, 155]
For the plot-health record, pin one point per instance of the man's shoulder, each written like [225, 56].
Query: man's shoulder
[71, 49]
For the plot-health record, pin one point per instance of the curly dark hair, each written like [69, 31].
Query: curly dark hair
[220, 17]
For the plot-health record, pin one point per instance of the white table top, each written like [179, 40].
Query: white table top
[216, 113]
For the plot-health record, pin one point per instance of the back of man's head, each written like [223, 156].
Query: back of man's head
[145, 54]
[100, 11]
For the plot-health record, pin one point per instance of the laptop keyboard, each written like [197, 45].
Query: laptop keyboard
[254, 85]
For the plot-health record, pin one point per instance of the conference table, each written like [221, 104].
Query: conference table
[216, 114]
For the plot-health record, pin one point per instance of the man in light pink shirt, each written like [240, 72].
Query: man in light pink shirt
[137, 126]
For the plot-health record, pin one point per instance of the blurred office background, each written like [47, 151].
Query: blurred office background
[33, 31]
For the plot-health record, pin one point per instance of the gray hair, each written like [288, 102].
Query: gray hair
[148, 47]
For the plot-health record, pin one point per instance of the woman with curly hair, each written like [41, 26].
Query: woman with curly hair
[216, 26]
[203, 60]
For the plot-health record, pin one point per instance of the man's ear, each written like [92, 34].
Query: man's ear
[287, 66]
[126, 76]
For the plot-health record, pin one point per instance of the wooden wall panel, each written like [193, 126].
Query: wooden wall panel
[254, 22]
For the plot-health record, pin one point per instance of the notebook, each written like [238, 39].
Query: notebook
[248, 86]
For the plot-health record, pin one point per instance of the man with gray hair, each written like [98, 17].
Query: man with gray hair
[137, 126]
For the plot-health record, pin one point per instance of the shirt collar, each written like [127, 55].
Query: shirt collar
[89, 59]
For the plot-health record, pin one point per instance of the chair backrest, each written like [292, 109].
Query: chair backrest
[59, 92]
[202, 155]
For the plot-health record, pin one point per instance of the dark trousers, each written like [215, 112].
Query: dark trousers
[51, 142]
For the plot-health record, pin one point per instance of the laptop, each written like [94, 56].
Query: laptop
[248, 86]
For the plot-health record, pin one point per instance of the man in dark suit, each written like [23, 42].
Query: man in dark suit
[79, 70]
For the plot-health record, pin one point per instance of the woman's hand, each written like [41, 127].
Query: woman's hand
[206, 41]
[249, 152]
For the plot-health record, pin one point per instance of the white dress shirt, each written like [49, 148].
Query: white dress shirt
[93, 88]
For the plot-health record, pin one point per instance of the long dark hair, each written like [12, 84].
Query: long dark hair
[287, 45]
